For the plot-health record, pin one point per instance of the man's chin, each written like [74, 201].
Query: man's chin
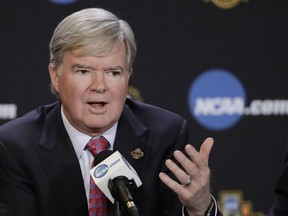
[98, 128]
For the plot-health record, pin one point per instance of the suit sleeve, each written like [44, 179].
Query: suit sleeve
[17, 196]
[170, 204]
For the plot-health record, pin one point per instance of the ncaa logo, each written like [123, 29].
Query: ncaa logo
[217, 99]
[101, 170]
[62, 2]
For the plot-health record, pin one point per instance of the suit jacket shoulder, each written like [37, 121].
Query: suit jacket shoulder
[32, 120]
[153, 117]
[38, 166]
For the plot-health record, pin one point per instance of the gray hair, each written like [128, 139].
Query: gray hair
[96, 31]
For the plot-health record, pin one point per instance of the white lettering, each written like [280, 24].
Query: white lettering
[219, 106]
[269, 107]
[8, 111]
[255, 107]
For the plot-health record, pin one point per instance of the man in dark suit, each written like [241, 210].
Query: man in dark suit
[280, 205]
[44, 161]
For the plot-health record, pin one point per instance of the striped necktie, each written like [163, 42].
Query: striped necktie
[97, 200]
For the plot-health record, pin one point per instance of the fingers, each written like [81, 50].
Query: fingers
[169, 182]
[181, 175]
[193, 173]
[202, 155]
[195, 165]
[205, 148]
[196, 160]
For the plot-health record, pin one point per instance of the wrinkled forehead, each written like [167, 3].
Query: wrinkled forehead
[98, 50]
[115, 57]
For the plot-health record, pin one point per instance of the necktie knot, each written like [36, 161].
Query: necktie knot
[96, 145]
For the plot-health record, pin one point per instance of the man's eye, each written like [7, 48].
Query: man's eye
[82, 71]
[114, 73]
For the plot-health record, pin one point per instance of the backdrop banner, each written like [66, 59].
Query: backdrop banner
[222, 65]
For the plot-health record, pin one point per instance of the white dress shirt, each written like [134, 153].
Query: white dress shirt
[79, 141]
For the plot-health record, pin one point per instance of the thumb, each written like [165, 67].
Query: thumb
[206, 147]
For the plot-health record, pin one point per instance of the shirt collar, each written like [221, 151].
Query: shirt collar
[79, 139]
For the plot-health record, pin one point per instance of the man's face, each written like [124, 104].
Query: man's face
[92, 89]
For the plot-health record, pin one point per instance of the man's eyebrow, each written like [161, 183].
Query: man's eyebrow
[82, 66]
[116, 68]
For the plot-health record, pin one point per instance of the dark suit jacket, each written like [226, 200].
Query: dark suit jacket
[280, 206]
[40, 173]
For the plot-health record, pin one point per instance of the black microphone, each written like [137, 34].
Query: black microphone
[120, 188]
[116, 178]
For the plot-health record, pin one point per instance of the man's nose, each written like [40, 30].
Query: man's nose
[98, 82]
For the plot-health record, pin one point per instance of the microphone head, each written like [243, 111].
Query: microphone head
[101, 156]
[112, 166]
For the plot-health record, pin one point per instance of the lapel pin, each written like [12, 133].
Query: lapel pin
[137, 153]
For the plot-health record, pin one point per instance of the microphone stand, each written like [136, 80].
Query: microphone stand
[120, 189]
[117, 211]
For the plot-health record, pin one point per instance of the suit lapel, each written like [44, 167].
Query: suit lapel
[61, 164]
[131, 138]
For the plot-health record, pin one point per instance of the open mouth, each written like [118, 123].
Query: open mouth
[97, 104]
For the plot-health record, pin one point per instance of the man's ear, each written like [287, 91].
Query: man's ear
[53, 76]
